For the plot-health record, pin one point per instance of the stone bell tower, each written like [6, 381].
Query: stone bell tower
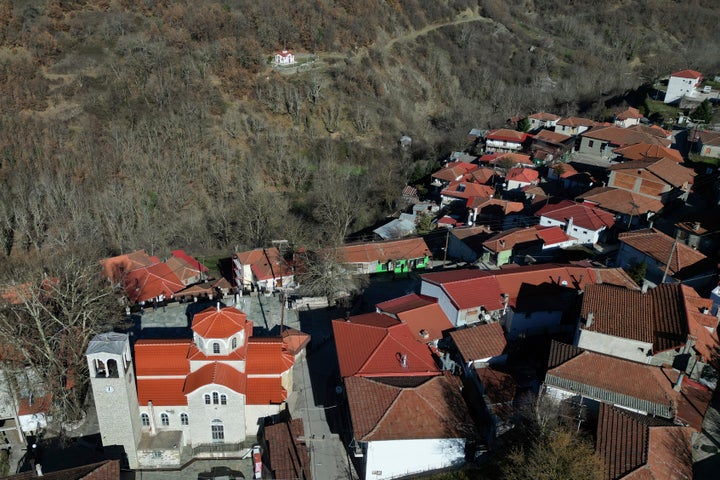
[113, 384]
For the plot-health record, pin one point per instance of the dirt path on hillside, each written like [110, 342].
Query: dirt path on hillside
[467, 16]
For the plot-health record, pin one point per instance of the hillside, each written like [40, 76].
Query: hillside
[148, 124]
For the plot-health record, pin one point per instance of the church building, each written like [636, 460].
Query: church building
[174, 400]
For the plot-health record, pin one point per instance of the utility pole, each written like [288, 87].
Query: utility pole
[672, 252]
[447, 239]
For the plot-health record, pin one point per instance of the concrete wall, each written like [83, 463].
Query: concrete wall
[231, 415]
[679, 87]
[254, 414]
[447, 306]
[594, 146]
[459, 249]
[628, 256]
[502, 145]
[396, 458]
[159, 458]
[626, 348]
[533, 323]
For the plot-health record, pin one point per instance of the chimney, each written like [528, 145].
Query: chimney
[38, 470]
[696, 226]
[705, 310]
[403, 360]
[30, 400]
[644, 287]
[590, 319]
[218, 306]
[678, 385]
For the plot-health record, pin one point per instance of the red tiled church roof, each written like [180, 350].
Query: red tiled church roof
[267, 356]
[216, 322]
[216, 373]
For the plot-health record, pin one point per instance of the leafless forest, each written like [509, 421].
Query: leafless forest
[154, 124]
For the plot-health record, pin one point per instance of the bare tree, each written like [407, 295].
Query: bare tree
[50, 320]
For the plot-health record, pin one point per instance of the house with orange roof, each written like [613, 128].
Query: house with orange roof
[116, 268]
[583, 221]
[378, 345]
[602, 140]
[389, 256]
[670, 324]
[264, 269]
[517, 178]
[628, 117]
[393, 416]
[516, 243]
[420, 313]
[505, 140]
[514, 159]
[662, 179]
[548, 145]
[667, 260]
[645, 151]
[463, 190]
[682, 84]
[524, 299]
[630, 208]
[168, 400]
[154, 283]
[452, 172]
[479, 346]
[636, 447]
[589, 379]
[495, 212]
[574, 125]
[543, 120]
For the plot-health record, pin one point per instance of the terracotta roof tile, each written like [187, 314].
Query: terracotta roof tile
[629, 113]
[544, 116]
[526, 175]
[622, 137]
[480, 342]
[508, 239]
[515, 158]
[583, 215]
[288, 455]
[149, 282]
[454, 171]
[658, 246]
[216, 373]
[463, 189]
[381, 252]
[577, 122]
[434, 409]
[596, 375]
[161, 391]
[264, 391]
[295, 340]
[507, 135]
[162, 357]
[692, 74]
[40, 404]
[552, 235]
[267, 356]
[500, 387]
[217, 322]
[421, 313]
[645, 151]
[193, 262]
[548, 136]
[372, 350]
[115, 268]
[635, 447]
[622, 201]
[182, 269]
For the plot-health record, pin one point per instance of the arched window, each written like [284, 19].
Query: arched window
[207, 399]
[184, 419]
[216, 348]
[164, 419]
[217, 430]
[145, 419]
[112, 367]
[223, 399]
[234, 343]
[215, 398]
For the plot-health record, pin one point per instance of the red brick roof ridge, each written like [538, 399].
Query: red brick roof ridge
[433, 370]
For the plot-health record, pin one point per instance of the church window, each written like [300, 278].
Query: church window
[207, 399]
[234, 343]
[223, 399]
[145, 419]
[165, 419]
[184, 419]
[216, 348]
[218, 432]
[215, 398]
